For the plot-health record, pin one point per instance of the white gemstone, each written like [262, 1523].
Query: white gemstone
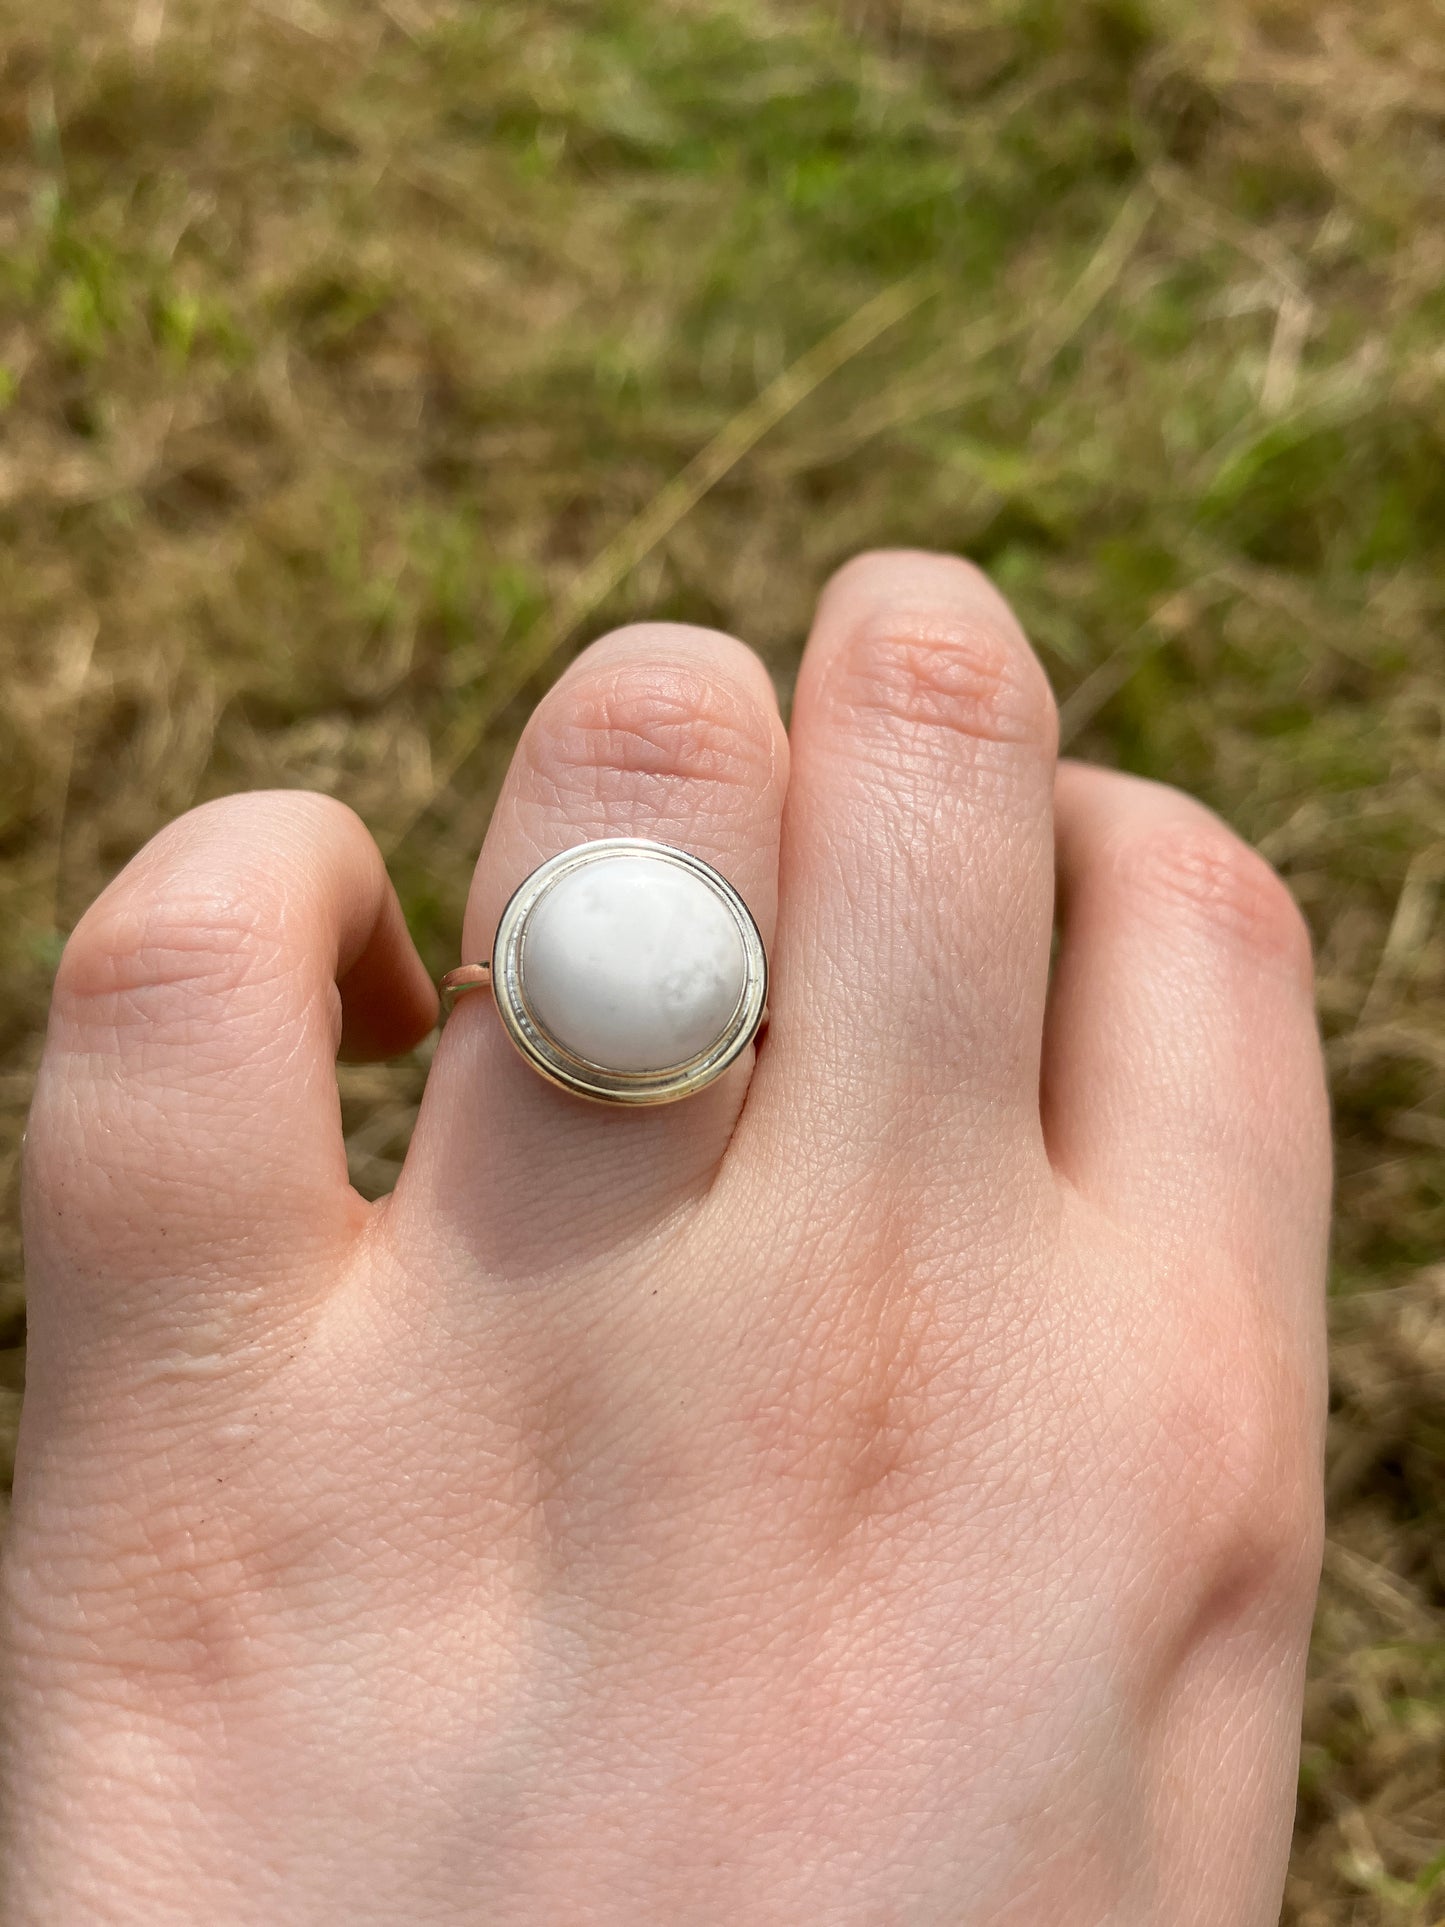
[633, 962]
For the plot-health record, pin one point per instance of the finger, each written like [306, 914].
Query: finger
[388, 1002]
[186, 1111]
[1184, 1088]
[659, 731]
[912, 954]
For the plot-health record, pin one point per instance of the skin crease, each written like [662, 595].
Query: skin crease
[882, 1491]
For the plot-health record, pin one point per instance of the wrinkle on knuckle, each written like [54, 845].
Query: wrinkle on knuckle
[654, 723]
[176, 954]
[855, 1428]
[946, 672]
[164, 1598]
[1204, 875]
[1241, 1490]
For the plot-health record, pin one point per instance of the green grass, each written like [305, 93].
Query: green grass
[358, 363]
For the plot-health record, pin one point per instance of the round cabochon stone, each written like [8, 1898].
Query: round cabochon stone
[633, 963]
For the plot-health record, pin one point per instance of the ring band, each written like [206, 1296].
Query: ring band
[626, 971]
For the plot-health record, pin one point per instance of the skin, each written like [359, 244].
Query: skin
[883, 1490]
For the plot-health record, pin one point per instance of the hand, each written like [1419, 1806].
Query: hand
[883, 1488]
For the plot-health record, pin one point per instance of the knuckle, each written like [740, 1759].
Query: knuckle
[961, 673]
[204, 910]
[173, 1601]
[658, 721]
[1206, 874]
[852, 1431]
[128, 956]
[1242, 1496]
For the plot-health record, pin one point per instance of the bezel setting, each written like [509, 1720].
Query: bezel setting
[577, 1074]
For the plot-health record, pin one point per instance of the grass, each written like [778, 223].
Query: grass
[359, 361]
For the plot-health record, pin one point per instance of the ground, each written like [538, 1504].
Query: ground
[360, 359]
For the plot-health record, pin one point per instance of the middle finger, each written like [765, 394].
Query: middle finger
[911, 961]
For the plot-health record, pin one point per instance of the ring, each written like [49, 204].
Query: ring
[626, 971]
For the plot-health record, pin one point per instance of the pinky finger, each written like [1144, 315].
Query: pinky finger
[186, 1123]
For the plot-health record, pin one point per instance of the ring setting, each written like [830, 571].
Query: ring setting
[627, 971]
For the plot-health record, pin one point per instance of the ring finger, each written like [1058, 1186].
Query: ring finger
[657, 731]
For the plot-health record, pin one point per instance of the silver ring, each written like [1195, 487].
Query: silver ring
[626, 971]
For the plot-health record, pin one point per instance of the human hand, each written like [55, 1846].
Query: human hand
[881, 1489]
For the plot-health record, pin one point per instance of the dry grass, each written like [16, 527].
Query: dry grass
[359, 361]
